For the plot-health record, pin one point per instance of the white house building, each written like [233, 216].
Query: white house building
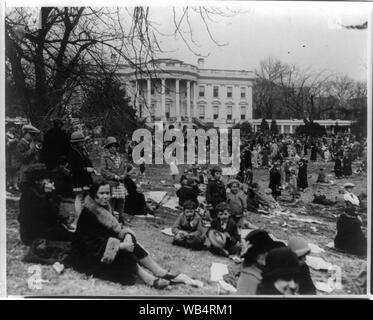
[176, 92]
[179, 93]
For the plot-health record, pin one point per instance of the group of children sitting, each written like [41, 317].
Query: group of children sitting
[214, 224]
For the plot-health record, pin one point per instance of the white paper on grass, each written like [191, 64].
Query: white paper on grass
[315, 248]
[168, 232]
[305, 220]
[156, 196]
[172, 203]
[317, 263]
[217, 271]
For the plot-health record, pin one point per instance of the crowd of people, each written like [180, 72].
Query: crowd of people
[65, 198]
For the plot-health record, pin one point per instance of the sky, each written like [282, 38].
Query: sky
[308, 35]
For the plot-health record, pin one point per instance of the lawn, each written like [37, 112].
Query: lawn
[195, 264]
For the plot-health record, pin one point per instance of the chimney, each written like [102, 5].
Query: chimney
[201, 62]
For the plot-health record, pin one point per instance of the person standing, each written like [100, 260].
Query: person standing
[302, 175]
[338, 166]
[81, 169]
[27, 149]
[313, 152]
[113, 169]
[55, 144]
[12, 164]
[347, 165]
[275, 180]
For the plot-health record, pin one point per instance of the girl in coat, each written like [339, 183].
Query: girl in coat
[102, 247]
[302, 175]
[275, 181]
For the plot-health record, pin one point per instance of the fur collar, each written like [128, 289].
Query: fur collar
[104, 216]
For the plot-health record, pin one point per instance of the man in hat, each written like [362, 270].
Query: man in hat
[27, 149]
[38, 217]
[215, 192]
[56, 144]
[223, 234]
[187, 229]
[114, 170]
[81, 169]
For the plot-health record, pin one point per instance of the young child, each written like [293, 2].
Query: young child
[174, 170]
[223, 234]
[142, 168]
[293, 190]
[236, 201]
[301, 248]
[321, 178]
[215, 192]
[187, 229]
[188, 191]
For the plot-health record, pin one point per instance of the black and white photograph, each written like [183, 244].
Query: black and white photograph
[186, 149]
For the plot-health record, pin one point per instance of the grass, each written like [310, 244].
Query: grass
[195, 264]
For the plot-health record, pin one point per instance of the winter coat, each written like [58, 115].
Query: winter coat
[338, 168]
[275, 182]
[350, 237]
[78, 160]
[215, 192]
[38, 215]
[109, 170]
[302, 177]
[249, 280]
[306, 285]
[26, 156]
[187, 193]
[134, 202]
[95, 247]
[56, 144]
[231, 229]
[11, 142]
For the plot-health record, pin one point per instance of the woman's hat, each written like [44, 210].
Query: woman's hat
[217, 239]
[36, 171]
[348, 185]
[281, 262]
[110, 141]
[233, 181]
[77, 136]
[299, 246]
[259, 242]
[215, 169]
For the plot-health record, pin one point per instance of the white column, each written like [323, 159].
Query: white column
[188, 100]
[149, 102]
[291, 129]
[163, 97]
[236, 113]
[195, 97]
[249, 111]
[282, 128]
[177, 91]
[222, 108]
[349, 129]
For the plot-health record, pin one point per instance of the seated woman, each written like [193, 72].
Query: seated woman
[102, 247]
[350, 237]
[259, 244]
[38, 208]
[188, 230]
[280, 275]
[223, 234]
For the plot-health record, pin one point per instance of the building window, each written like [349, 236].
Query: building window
[243, 92]
[167, 90]
[229, 112]
[202, 112]
[216, 91]
[167, 110]
[243, 113]
[201, 91]
[229, 92]
[152, 89]
[216, 112]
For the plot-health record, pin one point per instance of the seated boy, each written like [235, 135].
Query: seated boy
[223, 234]
[188, 229]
